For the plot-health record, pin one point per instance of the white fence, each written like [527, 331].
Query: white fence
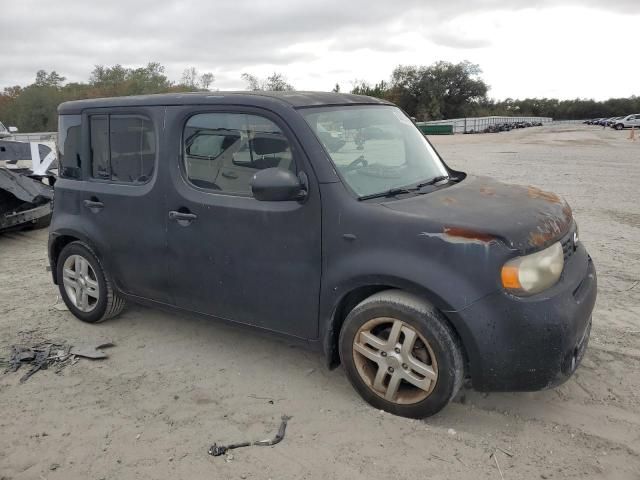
[479, 124]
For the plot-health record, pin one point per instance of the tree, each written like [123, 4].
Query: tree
[361, 87]
[44, 79]
[118, 80]
[276, 82]
[190, 77]
[441, 90]
[206, 79]
[253, 83]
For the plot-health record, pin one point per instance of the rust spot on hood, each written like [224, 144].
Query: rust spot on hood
[551, 227]
[449, 200]
[535, 192]
[468, 234]
[488, 191]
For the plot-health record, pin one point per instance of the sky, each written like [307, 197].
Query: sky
[525, 48]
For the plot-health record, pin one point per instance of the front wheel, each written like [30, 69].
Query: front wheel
[401, 355]
[619, 126]
[84, 287]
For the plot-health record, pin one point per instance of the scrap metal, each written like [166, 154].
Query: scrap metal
[216, 450]
[26, 184]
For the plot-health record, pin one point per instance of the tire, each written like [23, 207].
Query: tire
[103, 301]
[433, 360]
[619, 126]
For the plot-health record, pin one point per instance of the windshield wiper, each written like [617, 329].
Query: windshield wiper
[433, 181]
[392, 192]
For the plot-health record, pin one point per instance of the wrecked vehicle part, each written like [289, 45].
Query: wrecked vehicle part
[44, 355]
[91, 351]
[25, 201]
[217, 450]
[12, 152]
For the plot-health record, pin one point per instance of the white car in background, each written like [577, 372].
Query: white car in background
[628, 122]
[7, 132]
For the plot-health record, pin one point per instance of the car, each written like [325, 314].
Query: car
[7, 131]
[629, 121]
[612, 121]
[276, 211]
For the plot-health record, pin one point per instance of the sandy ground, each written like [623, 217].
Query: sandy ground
[174, 384]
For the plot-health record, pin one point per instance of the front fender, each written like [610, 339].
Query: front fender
[446, 288]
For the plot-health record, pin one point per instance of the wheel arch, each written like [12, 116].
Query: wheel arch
[357, 293]
[60, 240]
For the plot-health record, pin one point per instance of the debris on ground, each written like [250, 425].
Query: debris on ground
[218, 450]
[26, 184]
[91, 351]
[45, 355]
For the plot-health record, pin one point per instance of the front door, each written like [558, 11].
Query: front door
[230, 255]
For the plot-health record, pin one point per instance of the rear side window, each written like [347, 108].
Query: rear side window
[69, 146]
[222, 151]
[123, 148]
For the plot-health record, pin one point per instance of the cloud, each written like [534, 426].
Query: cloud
[315, 43]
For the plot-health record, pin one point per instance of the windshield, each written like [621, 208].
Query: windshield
[375, 148]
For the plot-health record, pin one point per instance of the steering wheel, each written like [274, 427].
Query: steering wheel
[358, 161]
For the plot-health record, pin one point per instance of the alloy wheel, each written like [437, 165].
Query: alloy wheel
[395, 361]
[80, 283]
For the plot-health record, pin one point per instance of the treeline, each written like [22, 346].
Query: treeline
[447, 90]
[33, 108]
[438, 91]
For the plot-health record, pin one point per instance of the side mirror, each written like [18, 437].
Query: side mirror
[277, 185]
[13, 129]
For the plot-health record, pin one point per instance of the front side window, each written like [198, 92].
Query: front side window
[222, 151]
[374, 148]
[69, 146]
[123, 148]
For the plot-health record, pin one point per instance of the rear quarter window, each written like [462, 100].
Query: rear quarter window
[69, 146]
[123, 148]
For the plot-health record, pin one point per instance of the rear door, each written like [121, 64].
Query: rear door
[121, 201]
[230, 255]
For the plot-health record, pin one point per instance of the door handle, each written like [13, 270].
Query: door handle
[181, 217]
[94, 205]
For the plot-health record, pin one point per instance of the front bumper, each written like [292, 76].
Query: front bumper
[526, 344]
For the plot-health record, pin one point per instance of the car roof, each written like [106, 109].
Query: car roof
[245, 98]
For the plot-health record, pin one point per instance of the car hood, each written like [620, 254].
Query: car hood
[480, 209]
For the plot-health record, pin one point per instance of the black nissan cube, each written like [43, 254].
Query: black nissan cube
[329, 218]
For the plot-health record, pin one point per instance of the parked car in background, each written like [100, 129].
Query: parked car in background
[627, 122]
[611, 121]
[7, 131]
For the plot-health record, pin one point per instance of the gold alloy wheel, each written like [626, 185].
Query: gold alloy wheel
[395, 360]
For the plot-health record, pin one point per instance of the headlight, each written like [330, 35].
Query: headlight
[533, 273]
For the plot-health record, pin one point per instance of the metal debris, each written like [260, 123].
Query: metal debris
[218, 450]
[91, 351]
[45, 355]
[27, 176]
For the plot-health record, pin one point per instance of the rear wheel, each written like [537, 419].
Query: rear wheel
[84, 287]
[401, 355]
